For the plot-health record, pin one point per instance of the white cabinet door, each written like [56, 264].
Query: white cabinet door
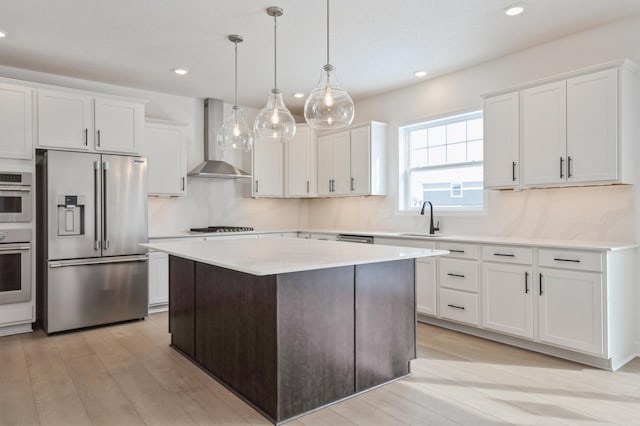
[16, 121]
[570, 309]
[360, 156]
[118, 126]
[158, 278]
[508, 299]
[544, 133]
[300, 164]
[341, 163]
[268, 163]
[166, 151]
[324, 165]
[426, 286]
[501, 141]
[64, 120]
[592, 127]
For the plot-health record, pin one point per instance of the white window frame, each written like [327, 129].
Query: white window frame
[404, 169]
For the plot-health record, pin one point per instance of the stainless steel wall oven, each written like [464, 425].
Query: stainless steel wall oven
[15, 197]
[15, 265]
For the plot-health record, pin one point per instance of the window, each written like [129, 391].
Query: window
[441, 161]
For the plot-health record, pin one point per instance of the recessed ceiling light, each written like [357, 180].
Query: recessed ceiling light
[514, 9]
[2, 34]
[298, 95]
[420, 74]
[181, 71]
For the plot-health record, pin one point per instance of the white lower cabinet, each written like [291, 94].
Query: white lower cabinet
[571, 309]
[507, 295]
[426, 289]
[459, 306]
[158, 280]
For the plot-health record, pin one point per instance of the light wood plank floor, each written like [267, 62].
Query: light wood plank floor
[128, 375]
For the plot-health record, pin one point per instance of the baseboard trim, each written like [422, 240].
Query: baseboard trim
[16, 329]
[154, 309]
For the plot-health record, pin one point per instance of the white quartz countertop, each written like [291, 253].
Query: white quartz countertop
[268, 256]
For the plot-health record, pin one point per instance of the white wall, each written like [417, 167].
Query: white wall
[593, 213]
[209, 201]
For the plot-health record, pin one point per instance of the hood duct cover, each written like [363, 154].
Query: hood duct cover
[213, 166]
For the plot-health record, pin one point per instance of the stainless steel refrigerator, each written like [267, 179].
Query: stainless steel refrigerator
[91, 214]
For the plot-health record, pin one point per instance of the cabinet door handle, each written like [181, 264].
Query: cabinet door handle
[98, 137]
[541, 284]
[568, 167]
[256, 186]
[455, 251]
[352, 179]
[456, 307]
[455, 275]
[183, 183]
[526, 282]
[307, 187]
[86, 137]
[513, 171]
[504, 254]
[561, 168]
[559, 259]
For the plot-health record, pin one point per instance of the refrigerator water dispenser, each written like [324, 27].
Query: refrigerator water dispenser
[71, 211]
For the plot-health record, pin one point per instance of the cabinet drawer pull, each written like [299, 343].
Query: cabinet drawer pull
[455, 251]
[504, 254]
[513, 171]
[561, 168]
[456, 307]
[526, 282]
[559, 259]
[455, 275]
[541, 284]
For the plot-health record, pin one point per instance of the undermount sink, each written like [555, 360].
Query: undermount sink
[423, 234]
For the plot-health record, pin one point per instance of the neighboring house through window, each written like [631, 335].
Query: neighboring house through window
[441, 161]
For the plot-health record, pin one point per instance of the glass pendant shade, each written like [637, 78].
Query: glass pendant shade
[234, 132]
[328, 106]
[275, 122]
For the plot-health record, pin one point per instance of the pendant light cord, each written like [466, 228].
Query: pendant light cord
[275, 52]
[236, 73]
[328, 32]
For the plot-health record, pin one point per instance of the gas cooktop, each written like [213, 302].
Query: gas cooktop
[223, 229]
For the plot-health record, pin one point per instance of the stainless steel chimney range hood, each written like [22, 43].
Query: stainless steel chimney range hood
[213, 166]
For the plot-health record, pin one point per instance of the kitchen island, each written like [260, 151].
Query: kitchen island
[291, 325]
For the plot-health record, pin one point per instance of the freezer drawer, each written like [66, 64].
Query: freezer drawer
[83, 293]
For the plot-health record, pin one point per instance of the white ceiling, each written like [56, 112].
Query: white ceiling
[376, 45]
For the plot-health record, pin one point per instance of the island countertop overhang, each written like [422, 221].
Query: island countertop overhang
[270, 256]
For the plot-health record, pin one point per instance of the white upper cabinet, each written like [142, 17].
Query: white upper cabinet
[78, 121]
[118, 125]
[502, 141]
[64, 120]
[575, 129]
[166, 151]
[268, 166]
[592, 127]
[351, 162]
[16, 120]
[544, 133]
[300, 164]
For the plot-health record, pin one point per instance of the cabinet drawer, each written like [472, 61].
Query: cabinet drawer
[508, 254]
[459, 274]
[459, 306]
[405, 242]
[571, 259]
[460, 250]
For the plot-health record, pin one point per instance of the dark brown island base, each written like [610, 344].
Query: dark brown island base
[290, 343]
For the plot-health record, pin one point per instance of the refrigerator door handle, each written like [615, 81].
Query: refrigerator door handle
[98, 261]
[96, 208]
[105, 203]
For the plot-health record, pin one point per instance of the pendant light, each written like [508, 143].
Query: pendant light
[234, 132]
[275, 122]
[328, 106]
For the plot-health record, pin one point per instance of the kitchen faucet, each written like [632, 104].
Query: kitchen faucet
[432, 229]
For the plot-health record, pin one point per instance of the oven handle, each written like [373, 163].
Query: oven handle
[15, 188]
[15, 248]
